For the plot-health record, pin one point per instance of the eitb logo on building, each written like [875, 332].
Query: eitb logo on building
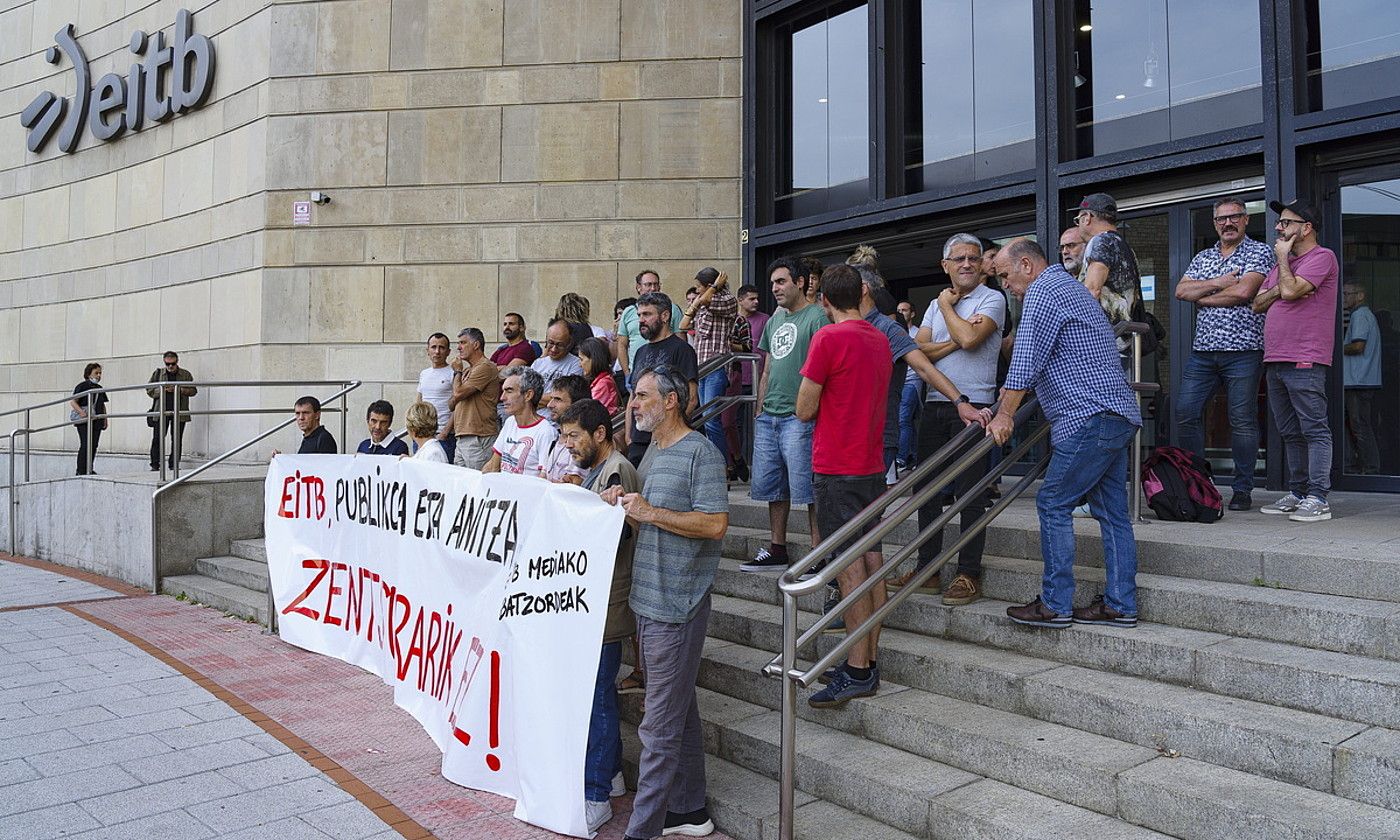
[169, 80]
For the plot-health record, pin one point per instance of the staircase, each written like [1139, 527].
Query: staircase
[1259, 698]
[236, 584]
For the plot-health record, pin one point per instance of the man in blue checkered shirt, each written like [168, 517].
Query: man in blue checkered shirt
[1066, 353]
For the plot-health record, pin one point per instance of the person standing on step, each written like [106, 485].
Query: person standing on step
[585, 429]
[663, 347]
[92, 404]
[1066, 352]
[845, 381]
[713, 314]
[961, 334]
[476, 390]
[379, 418]
[315, 438]
[782, 446]
[1299, 298]
[166, 401]
[1229, 346]
[680, 515]
[435, 388]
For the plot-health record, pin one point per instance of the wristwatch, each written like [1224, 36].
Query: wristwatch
[963, 398]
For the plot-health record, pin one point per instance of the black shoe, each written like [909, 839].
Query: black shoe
[741, 469]
[693, 824]
[155, 467]
[766, 561]
[1241, 501]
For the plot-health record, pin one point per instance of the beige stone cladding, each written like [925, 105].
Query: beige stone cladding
[481, 156]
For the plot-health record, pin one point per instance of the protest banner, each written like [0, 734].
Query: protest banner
[479, 598]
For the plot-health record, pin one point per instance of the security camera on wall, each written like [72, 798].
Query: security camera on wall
[320, 198]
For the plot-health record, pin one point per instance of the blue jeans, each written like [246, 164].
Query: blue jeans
[604, 756]
[1298, 400]
[1238, 371]
[1093, 462]
[909, 402]
[712, 387]
[782, 460]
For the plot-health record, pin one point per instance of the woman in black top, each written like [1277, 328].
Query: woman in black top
[81, 406]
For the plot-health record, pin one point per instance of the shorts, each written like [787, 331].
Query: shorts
[782, 460]
[841, 498]
[473, 451]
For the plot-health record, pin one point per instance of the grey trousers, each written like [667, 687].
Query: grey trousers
[473, 450]
[671, 776]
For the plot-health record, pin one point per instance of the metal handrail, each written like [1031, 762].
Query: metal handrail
[715, 406]
[162, 416]
[155, 496]
[792, 585]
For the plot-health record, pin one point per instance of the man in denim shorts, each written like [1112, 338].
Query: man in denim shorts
[782, 449]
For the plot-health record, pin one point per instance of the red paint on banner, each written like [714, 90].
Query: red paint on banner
[491, 760]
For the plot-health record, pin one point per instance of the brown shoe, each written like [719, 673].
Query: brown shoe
[1100, 613]
[932, 586]
[1036, 614]
[964, 590]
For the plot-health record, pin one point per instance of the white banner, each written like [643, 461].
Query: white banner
[480, 598]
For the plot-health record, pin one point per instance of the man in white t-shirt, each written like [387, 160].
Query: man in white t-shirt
[525, 437]
[435, 388]
[557, 360]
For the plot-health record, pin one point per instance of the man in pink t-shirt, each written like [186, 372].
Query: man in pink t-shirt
[843, 388]
[1300, 296]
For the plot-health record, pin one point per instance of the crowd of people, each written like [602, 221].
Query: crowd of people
[850, 387]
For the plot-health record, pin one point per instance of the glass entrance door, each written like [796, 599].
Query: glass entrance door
[1368, 442]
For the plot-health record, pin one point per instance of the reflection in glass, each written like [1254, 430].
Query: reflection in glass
[1153, 72]
[1352, 49]
[829, 114]
[1370, 343]
[970, 109]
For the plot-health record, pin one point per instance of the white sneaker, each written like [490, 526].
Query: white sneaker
[1311, 509]
[1083, 512]
[598, 814]
[1287, 504]
[619, 787]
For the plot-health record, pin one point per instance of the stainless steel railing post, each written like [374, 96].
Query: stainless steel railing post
[27, 426]
[14, 499]
[160, 433]
[1135, 463]
[344, 429]
[90, 454]
[787, 786]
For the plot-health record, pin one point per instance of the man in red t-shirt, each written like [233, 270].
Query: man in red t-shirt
[843, 388]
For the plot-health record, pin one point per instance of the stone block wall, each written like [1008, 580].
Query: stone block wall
[482, 156]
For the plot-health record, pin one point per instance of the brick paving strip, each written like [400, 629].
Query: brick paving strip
[337, 720]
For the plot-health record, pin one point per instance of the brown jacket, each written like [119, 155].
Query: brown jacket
[621, 623]
[182, 394]
[474, 411]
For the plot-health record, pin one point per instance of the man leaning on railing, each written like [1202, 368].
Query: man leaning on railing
[1066, 352]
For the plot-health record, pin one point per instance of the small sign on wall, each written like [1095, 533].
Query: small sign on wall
[301, 212]
[1149, 287]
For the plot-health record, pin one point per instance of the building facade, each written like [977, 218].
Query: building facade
[900, 122]
[480, 156]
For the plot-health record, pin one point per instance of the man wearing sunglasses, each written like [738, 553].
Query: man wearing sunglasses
[1229, 345]
[1300, 297]
[166, 400]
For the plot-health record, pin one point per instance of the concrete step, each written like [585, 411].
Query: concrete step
[229, 597]
[1327, 622]
[255, 550]
[1296, 747]
[1333, 684]
[857, 777]
[236, 570]
[1286, 558]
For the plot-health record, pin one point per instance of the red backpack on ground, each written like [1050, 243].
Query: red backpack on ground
[1178, 486]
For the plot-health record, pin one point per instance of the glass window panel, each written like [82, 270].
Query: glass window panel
[970, 109]
[1148, 72]
[829, 116]
[1370, 341]
[1352, 49]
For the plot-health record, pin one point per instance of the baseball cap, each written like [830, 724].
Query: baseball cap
[1097, 203]
[1297, 206]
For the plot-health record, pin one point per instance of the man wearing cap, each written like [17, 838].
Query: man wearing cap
[1110, 269]
[1222, 281]
[1300, 299]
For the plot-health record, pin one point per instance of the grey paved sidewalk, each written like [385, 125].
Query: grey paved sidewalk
[22, 586]
[99, 739]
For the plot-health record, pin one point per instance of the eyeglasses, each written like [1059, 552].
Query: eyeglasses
[1070, 247]
[1230, 217]
[1283, 223]
[556, 344]
[964, 259]
[1082, 215]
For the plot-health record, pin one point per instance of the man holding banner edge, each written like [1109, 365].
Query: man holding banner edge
[681, 515]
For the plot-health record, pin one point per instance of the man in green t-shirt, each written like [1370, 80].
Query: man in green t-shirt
[782, 448]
